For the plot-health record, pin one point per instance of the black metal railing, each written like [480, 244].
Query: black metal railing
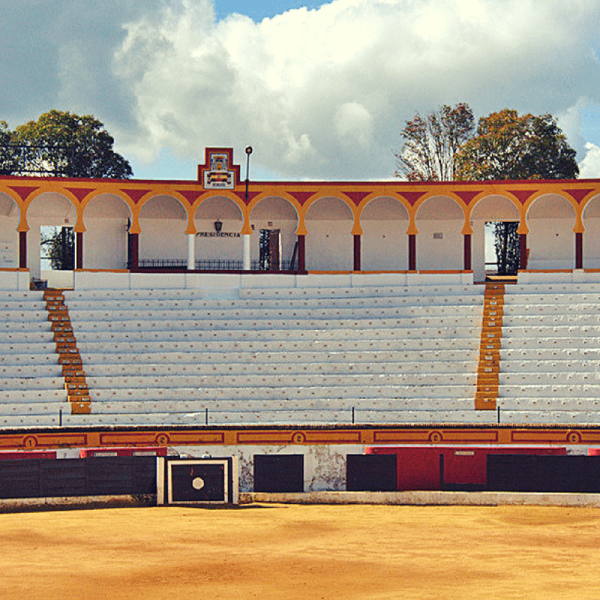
[207, 264]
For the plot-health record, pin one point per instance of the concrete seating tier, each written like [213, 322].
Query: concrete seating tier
[285, 417]
[550, 417]
[284, 339]
[31, 383]
[470, 313]
[280, 369]
[184, 359]
[466, 292]
[307, 356]
[170, 321]
[420, 291]
[406, 303]
[549, 356]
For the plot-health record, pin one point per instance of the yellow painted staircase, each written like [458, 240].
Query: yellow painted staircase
[486, 396]
[69, 358]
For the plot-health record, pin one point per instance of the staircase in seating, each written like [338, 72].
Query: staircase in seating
[488, 371]
[69, 358]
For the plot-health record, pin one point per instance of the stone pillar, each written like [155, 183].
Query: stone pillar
[22, 249]
[522, 251]
[191, 251]
[79, 250]
[357, 252]
[412, 252]
[467, 252]
[579, 250]
[301, 253]
[134, 243]
[246, 260]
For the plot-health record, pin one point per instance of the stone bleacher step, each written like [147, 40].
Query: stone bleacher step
[408, 392]
[349, 368]
[96, 349]
[293, 418]
[159, 358]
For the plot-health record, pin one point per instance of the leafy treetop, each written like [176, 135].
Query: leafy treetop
[62, 144]
[430, 143]
[509, 146]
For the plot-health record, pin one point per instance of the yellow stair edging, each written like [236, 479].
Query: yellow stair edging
[488, 370]
[78, 393]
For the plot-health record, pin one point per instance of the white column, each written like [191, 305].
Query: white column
[191, 257]
[246, 264]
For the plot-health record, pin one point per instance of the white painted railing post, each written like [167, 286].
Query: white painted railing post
[191, 252]
[246, 264]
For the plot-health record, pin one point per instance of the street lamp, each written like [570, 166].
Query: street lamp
[248, 153]
[246, 261]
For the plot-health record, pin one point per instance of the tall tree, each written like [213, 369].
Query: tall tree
[68, 145]
[430, 144]
[509, 146]
[8, 158]
[59, 247]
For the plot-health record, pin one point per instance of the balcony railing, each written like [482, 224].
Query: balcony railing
[206, 264]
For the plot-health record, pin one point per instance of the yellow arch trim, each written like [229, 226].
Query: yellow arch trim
[61, 191]
[356, 229]
[287, 198]
[452, 196]
[577, 228]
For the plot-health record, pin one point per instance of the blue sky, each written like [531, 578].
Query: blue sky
[258, 11]
[320, 91]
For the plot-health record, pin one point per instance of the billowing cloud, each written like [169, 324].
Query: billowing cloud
[323, 93]
[318, 93]
[589, 167]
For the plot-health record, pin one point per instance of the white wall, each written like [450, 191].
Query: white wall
[9, 242]
[384, 246]
[105, 244]
[329, 245]
[440, 254]
[163, 238]
[551, 244]
[591, 243]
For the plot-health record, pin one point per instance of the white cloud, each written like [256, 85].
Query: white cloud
[589, 167]
[324, 92]
[318, 93]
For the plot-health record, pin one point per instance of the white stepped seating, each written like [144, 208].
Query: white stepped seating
[285, 417]
[159, 357]
[295, 393]
[32, 390]
[421, 291]
[396, 355]
[284, 339]
[549, 356]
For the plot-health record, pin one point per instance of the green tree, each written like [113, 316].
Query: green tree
[8, 154]
[509, 146]
[59, 247]
[430, 143]
[68, 145]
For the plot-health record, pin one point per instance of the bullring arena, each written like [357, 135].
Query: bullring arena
[303, 338]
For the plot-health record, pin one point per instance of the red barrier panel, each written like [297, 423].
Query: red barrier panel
[439, 467]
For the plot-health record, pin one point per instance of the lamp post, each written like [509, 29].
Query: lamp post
[246, 249]
[248, 153]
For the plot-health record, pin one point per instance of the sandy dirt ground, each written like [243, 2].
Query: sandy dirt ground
[304, 552]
